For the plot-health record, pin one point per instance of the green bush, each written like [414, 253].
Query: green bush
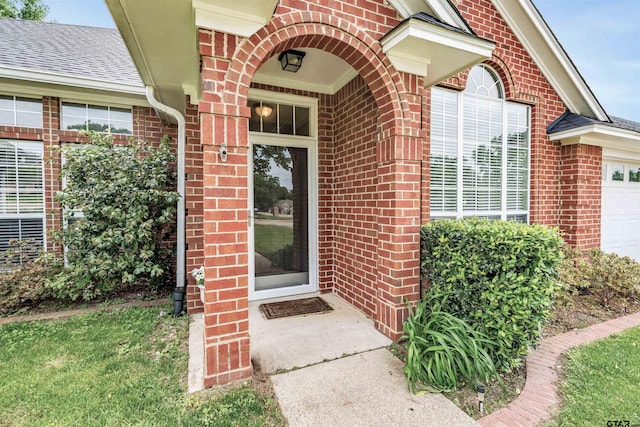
[500, 277]
[607, 277]
[24, 270]
[127, 216]
[442, 349]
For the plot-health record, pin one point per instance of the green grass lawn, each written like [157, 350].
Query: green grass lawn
[270, 238]
[126, 367]
[602, 382]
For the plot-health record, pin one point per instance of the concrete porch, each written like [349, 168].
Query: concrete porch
[294, 342]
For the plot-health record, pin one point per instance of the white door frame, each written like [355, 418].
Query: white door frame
[311, 144]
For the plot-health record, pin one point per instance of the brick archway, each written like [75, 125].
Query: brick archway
[229, 64]
[333, 35]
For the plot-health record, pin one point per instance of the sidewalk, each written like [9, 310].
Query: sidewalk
[539, 399]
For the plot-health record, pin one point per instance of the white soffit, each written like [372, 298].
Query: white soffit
[527, 24]
[433, 52]
[239, 17]
[320, 72]
[600, 136]
[162, 39]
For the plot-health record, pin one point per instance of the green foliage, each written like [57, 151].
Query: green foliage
[32, 10]
[607, 277]
[126, 216]
[24, 270]
[443, 349]
[500, 277]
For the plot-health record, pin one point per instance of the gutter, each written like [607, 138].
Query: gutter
[180, 261]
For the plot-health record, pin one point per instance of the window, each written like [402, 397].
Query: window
[479, 151]
[279, 118]
[21, 192]
[16, 111]
[96, 118]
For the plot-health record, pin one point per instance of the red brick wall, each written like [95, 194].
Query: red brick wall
[523, 83]
[146, 125]
[581, 186]
[355, 205]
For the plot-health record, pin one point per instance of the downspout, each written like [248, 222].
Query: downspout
[180, 261]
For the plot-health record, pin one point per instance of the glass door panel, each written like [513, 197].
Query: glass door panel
[281, 216]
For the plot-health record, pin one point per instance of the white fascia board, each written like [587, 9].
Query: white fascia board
[527, 24]
[71, 93]
[600, 136]
[400, 46]
[596, 129]
[441, 8]
[59, 79]
[232, 19]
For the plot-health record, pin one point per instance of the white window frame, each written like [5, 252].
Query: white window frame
[15, 110]
[87, 106]
[30, 215]
[503, 213]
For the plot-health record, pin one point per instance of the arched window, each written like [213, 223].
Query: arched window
[479, 151]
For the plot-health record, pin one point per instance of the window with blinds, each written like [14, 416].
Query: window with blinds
[17, 111]
[479, 151]
[21, 192]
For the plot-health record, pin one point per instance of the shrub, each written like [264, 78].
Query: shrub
[23, 285]
[443, 349]
[500, 277]
[126, 216]
[608, 277]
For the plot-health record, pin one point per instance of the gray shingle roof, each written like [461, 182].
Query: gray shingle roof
[69, 50]
[570, 120]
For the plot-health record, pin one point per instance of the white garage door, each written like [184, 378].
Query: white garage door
[621, 207]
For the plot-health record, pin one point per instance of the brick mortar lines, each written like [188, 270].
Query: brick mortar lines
[532, 406]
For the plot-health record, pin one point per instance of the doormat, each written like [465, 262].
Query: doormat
[275, 310]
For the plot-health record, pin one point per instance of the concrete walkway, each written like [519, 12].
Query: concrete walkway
[539, 400]
[366, 389]
[340, 371]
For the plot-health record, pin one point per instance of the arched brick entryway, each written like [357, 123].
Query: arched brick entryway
[229, 64]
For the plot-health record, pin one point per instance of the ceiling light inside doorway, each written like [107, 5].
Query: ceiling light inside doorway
[291, 60]
[263, 110]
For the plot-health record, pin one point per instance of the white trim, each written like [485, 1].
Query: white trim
[60, 79]
[329, 89]
[311, 144]
[239, 18]
[619, 156]
[598, 129]
[433, 52]
[441, 8]
[538, 40]
[77, 94]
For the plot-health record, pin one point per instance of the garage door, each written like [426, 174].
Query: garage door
[621, 208]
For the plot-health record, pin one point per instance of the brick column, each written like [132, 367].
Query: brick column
[581, 195]
[226, 313]
[399, 171]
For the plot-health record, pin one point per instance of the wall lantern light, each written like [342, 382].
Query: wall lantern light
[291, 60]
[263, 110]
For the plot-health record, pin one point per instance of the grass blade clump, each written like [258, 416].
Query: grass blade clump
[443, 351]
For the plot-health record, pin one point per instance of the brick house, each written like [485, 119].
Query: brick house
[373, 117]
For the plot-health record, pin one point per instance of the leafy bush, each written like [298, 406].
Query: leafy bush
[443, 349]
[500, 277]
[23, 285]
[126, 216]
[607, 277]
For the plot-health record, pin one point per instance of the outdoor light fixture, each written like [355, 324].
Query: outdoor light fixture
[480, 390]
[263, 110]
[291, 60]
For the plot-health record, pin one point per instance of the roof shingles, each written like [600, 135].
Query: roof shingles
[68, 50]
